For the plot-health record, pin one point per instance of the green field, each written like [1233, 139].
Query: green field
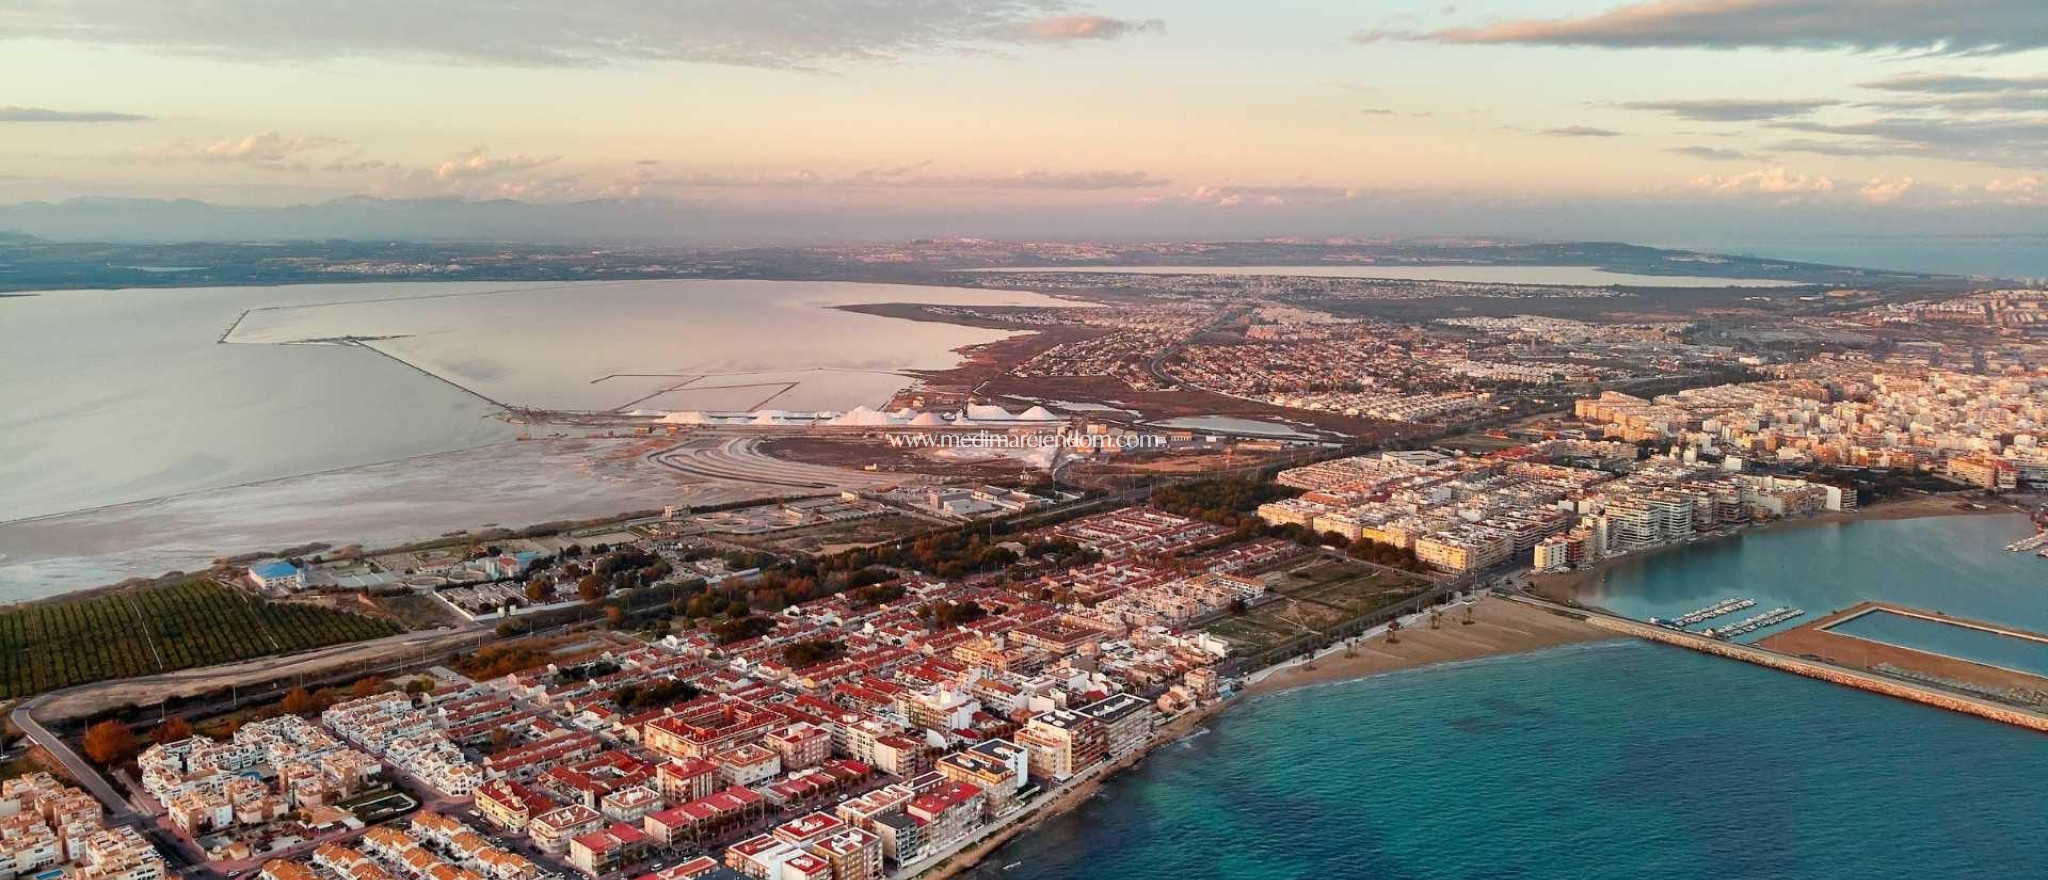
[1314, 598]
[52, 645]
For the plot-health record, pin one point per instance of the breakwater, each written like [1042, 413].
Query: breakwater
[1810, 668]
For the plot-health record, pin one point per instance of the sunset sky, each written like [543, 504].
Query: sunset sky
[964, 107]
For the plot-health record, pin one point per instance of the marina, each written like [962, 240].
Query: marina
[1749, 625]
[1702, 615]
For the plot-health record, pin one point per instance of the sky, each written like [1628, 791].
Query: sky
[1037, 116]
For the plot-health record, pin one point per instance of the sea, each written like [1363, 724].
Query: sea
[2020, 255]
[1616, 759]
[1620, 760]
[1956, 565]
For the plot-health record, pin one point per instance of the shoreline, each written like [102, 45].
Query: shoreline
[1564, 587]
[1501, 628]
[1179, 728]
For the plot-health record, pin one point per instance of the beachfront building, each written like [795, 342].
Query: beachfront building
[1125, 721]
[1062, 743]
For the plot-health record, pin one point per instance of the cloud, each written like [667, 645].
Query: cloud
[2002, 141]
[1768, 181]
[354, 163]
[1068, 180]
[1732, 110]
[263, 148]
[44, 114]
[730, 180]
[268, 151]
[1948, 83]
[1885, 192]
[896, 172]
[1230, 196]
[1782, 187]
[790, 34]
[1962, 94]
[1074, 28]
[1714, 154]
[1933, 26]
[476, 162]
[474, 173]
[912, 177]
[1377, 111]
[2022, 191]
[1831, 148]
[1579, 131]
[1968, 105]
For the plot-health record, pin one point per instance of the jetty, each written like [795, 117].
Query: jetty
[1702, 615]
[1808, 666]
[1749, 625]
[2030, 542]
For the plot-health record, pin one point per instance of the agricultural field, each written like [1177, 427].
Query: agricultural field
[52, 645]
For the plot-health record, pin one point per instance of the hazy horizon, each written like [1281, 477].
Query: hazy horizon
[1679, 121]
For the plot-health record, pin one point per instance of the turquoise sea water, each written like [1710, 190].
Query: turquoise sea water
[1619, 759]
[1610, 760]
[1953, 564]
[1962, 642]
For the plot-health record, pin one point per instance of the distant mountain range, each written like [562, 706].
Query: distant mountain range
[1974, 240]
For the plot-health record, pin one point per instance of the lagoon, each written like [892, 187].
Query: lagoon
[116, 396]
[1235, 425]
[1567, 276]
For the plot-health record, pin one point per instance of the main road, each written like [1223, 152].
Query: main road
[118, 809]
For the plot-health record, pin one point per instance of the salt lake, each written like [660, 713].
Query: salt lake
[1568, 276]
[115, 396]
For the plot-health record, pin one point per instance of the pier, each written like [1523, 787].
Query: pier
[1749, 625]
[1811, 667]
[1702, 615]
[1819, 639]
[1862, 608]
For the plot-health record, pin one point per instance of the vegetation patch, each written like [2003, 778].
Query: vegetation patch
[51, 645]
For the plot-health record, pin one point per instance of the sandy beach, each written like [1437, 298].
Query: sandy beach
[1499, 627]
[1565, 586]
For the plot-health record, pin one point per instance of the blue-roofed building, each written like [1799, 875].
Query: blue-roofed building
[277, 574]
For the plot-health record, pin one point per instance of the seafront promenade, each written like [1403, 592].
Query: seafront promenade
[1872, 682]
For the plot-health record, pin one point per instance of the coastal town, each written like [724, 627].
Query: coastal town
[895, 712]
[1024, 440]
[878, 643]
